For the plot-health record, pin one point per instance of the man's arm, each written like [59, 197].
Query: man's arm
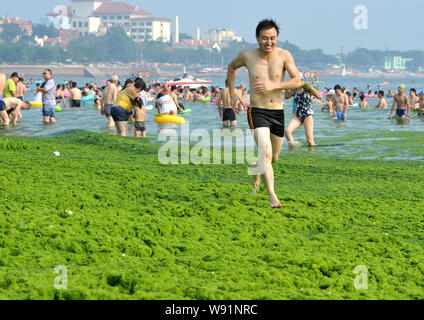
[237, 63]
[393, 107]
[408, 107]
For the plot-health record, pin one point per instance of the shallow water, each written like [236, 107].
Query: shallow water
[368, 133]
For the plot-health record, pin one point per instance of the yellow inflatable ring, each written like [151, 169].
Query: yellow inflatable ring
[36, 104]
[170, 119]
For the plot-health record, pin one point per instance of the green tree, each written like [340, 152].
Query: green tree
[41, 30]
[10, 32]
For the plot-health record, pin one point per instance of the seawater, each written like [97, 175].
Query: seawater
[368, 133]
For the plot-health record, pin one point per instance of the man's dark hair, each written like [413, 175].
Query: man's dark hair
[14, 75]
[140, 84]
[381, 93]
[337, 87]
[265, 25]
[173, 88]
[413, 90]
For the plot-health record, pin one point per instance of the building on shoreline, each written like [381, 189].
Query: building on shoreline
[95, 16]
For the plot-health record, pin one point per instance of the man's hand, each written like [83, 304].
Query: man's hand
[264, 87]
[234, 98]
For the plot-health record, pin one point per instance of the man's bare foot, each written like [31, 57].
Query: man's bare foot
[275, 203]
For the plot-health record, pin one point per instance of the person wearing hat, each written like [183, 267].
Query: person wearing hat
[401, 103]
[10, 88]
[108, 100]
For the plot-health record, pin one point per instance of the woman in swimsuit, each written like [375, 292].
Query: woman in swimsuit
[304, 114]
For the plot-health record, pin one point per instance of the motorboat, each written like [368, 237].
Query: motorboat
[189, 81]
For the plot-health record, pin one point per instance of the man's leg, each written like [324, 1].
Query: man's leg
[111, 123]
[52, 119]
[121, 128]
[263, 139]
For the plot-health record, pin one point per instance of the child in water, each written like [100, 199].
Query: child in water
[139, 119]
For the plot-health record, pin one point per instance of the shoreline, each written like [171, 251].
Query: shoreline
[159, 71]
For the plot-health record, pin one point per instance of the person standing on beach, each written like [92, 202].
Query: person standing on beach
[341, 103]
[401, 104]
[108, 100]
[267, 66]
[48, 90]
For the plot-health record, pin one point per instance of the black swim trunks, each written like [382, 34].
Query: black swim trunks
[76, 103]
[229, 114]
[272, 119]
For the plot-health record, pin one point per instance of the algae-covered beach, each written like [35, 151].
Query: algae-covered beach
[125, 226]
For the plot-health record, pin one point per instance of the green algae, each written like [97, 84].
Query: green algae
[142, 230]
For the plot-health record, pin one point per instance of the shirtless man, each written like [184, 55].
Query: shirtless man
[187, 96]
[401, 101]
[383, 103]
[75, 98]
[108, 100]
[241, 107]
[174, 96]
[12, 106]
[267, 66]
[228, 111]
[341, 104]
[21, 89]
[414, 100]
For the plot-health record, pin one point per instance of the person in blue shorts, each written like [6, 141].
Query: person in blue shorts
[341, 104]
[48, 90]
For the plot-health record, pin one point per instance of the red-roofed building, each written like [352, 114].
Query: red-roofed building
[25, 26]
[88, 16]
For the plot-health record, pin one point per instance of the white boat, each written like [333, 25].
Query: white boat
[190, 82]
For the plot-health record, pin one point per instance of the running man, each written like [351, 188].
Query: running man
[401, 101]
[267, 66]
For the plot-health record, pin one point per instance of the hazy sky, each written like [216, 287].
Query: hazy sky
[325, 24]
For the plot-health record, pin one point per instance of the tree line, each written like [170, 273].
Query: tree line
[17, 46]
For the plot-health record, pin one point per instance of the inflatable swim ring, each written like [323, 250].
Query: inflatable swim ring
[214, 101]
[208, 99]
[36, 104]
[88, 98]
[170, 119]
[187, 111]
[58, 109]
[354, 105]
